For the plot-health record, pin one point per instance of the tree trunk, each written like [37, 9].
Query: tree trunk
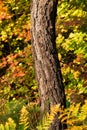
[47, 67]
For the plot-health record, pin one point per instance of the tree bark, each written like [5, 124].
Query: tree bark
[47, 66]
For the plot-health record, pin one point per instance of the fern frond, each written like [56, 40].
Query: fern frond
[78, 128]
[83, 112]
[2, 127]
[23, 120]
[9, 125]
[48, 118]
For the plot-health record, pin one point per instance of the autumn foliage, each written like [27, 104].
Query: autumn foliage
[17, 79]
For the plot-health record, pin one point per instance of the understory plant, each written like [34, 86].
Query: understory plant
[74, 116]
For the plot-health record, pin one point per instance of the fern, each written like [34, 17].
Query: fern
[83, 113]
[76, 117]
[48, 118]
[23, 120]
[78, 128]
[9, 125]
[2, 127]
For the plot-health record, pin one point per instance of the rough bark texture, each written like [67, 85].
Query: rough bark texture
[47, 67]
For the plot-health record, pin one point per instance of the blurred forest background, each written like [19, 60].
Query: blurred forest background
[19, 100]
